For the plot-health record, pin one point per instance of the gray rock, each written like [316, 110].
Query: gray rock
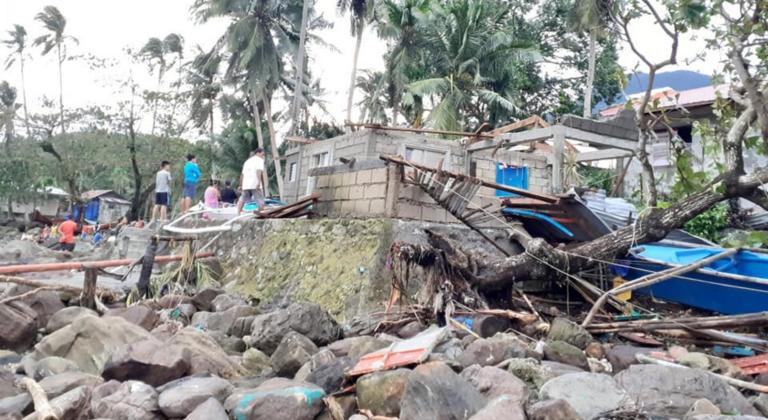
[366, 345]
[308, 319]
[73, 404]
[53, 365]
[9, 357]
[410, 329]
[723, 417]
[65, 316]
[211, 409]
[294, 350]
[322, 357]
[559, 369]
[342, 347]
[226, 301]
[701, 407]
[221, 321]
[346, 404]
[761, 403]
[89, 341]
[671, 391]
[530, 371]
[173, 301]
[202, 300]
[552, 409]
[131, 400]
[8, 384]
[277, 399]
[623, 356]
[149, 361]
[140, 315]
[502, 407]
[179, 398]
[563, 329]
[59, 384]
[15, 406]
[485, 352]
[231, 345]
[560, 351]
[381, 392]
[589, 394]
[19, 327]
[46, 303]
[330, 376]
[256, 362]
[493, 382]
[242, 326]
[434, 391]
[694, 360]
[205, 355]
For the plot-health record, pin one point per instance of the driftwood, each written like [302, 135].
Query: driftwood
[655, 278]
[733, 381]
[107, 294]
[43, 407]
[759, 319]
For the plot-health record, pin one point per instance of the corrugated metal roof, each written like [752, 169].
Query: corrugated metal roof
[107, 194]
[669, 98]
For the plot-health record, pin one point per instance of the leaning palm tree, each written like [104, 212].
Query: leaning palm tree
[17, 42]
[203, 77]
[360, 13]
[55, 23]
[373, 84]
[174, 44]
[591, 17]
[8, 108]
[153, 52]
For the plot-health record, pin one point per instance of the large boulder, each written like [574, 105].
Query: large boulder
[491, 351]
[502, 407]
[205, 355]
[381, 392]
[563, 329]
[7, 384]
[308, 319]
[330, 376]
[623, 356]
[231, 345]
[560, 351]
[493, 382]
[211, 409]
[46, 303]
[13, 407]
[90, 341]
[552, 409]
[670, 391]
[367, 345]
[226, 301]
[434, 391]
[179, 398]
[149, 361]
[242, 326]
[318, 359]
[202, 299]
[277, 399]
[141, 315]
[18, 328]
[590, 394]
[294, 350]
[130, 400]
[531, 371]
[59, 384]
[73, 404]
[221, 321]
[256, 362]
[345, 345]
[53, 365]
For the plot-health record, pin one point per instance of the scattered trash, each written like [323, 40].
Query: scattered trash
[403, 353]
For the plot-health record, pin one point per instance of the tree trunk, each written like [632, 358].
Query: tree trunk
[24, 97]
[257, 118]
[644, 130]
[353, 77]
[157, 99]
[61, 88]
[210, 122]
[297, 91]
[169, 128]
[273, 147]
[136, 198]
[590, 74]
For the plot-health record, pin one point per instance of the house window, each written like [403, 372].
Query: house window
[292, 172]
[321, 159]
[426, 157]
[513, 176]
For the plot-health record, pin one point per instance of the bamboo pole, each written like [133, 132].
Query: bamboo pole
[654, 278]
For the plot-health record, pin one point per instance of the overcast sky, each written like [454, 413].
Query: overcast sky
[106, 27]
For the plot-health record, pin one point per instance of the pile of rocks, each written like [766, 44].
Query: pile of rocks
[212, 356]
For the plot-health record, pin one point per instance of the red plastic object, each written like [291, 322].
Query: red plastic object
[752, 365]
[403, 353]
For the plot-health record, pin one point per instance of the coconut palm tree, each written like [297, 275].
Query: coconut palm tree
[17, 42]
[153, 52]
[300, 65]
[55, 23]
[174, 44]
[8, 108]
[360, 13]
[203, 77]
[591, 17]
[472, 51]
[373, 84]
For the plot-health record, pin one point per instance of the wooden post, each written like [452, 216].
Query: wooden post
[558, 158]
[88, 296]
[148, 261]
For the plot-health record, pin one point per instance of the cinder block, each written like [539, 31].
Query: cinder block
[323, 181]
[361, 207]
[341, 193]
[349, 178]
[347, 207]
[433, 214]
[378, 175]
[408, 211]
[364, 176]
[336, 180]
[377, 207]
[356, 192]
[375, 190]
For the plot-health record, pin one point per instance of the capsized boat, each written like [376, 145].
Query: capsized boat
[736, 284]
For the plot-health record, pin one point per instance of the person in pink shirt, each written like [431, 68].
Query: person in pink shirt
[212, 195]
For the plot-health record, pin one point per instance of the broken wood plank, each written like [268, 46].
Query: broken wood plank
[759, 319]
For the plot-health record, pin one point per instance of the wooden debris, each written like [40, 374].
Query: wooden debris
[733, 381]
[759, 319]
[43, 407]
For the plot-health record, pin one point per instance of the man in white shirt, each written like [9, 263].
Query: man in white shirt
[251, 180]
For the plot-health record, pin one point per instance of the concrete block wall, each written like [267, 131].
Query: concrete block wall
[539, 171]
[353, 193]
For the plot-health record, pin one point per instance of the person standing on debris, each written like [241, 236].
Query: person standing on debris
[67, 230]
[191, 176]
[250, 180]
[162, 191]
[228, 194]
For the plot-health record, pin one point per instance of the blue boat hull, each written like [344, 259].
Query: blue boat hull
[703, 290]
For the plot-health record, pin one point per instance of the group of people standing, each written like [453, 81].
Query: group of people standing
[250, 185]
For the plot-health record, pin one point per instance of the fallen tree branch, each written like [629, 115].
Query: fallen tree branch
[29, 293]
[105, 293]
[759, 319]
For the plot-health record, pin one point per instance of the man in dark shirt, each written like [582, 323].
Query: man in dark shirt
[228, 195]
